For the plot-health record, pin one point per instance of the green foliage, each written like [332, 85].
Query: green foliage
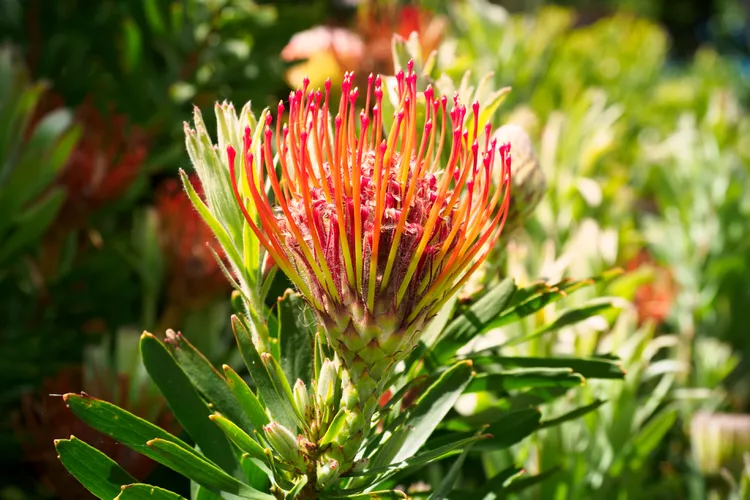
[415, 433]
[32, 152]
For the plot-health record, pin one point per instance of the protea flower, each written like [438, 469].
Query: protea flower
[529, 183]
[371, 225]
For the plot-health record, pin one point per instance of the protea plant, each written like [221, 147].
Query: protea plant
[372, 227]
[378, 223]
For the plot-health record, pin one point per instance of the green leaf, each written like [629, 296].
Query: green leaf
[653, 432]
[280, 382]
[277, 403]
[420, 459]
[446, 485]
[437, 325]
[297, 327]
[568, 317]
[120, 425]
[247, 399]
[202, 471]
[185, 402]
[492, 490]
[573, 415]
[93, 469]
[414, 383]
[506, 431]
[429, 411]
[523, 378]
[132, 45]
[153, 14]
[45, 153]
[473, 321]
[301, 482]
[594, 367]
[207, 379]
[32, 223]
[335, 427]
[139, 491]
[373, 495]
[243, 441]
[539, 295]
[527, 482]
[258, 474]
[219, 231]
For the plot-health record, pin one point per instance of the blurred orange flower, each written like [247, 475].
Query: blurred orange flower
[653, 300]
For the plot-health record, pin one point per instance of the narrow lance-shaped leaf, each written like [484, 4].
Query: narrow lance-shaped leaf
[595, 367]
[446, 485]
[203, 472]
[568, 317]
[122, 426]
[139, 491]
[420, 459]
[541, 295]
[93, 469]
[506, 431]
[243, 441]
[492, 490]
[279, 404]
[207, 379]
[185, 402]
[523, 378]
[247, 399]
[573, 414]
[473, 320]
[430, 409]
[526, 482]
[373, 495]
[301, 482]
[32, 223]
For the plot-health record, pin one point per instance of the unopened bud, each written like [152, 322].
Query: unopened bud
[328, 471]
[285, 444]
[719, 441]
[528, 183]
[326, 383]
[301, 398]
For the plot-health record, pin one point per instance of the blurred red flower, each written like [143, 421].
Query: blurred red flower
[194, 276]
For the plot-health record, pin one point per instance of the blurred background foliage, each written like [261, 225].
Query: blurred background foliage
[637, 111]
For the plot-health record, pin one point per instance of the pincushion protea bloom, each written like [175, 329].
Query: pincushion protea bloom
[373, 226]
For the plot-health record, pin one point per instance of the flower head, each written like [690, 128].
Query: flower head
[376, 227]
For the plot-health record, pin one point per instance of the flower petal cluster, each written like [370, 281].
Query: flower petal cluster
[377, 226]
